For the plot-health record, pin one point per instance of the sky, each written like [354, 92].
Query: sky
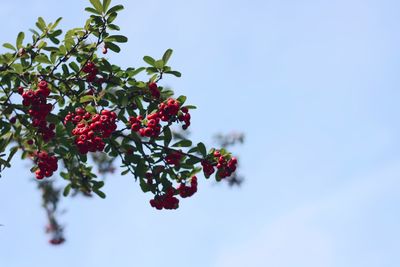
[314, 86]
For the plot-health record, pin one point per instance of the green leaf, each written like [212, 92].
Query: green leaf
[18, 68]
[113, 27]
[67, 189]
[192, 160]
[9, 46]
[92, 10]
[115, 9]
[167, 55]
[190, 107]
[65, 69]
[193, 149]
[183, 143]
[99, 193]
[56, 33]
[41, 24]
[112, 17]
[42, 59]
[90, 109]
[181, 99]
[97, 184]
[167, 136]
[125, 172]
[175, 73]
[97, 5]
[116, 38]
[149, 60]
[106, 4]
[144, 186]
[20, 39]
[113, 47]
[141, 168]
[136, 71]
[74, 66]
[86, 98]
[202, 149]
[53, 118]
[42, 44]
[12, 153]
[159, 64]
[55, 23]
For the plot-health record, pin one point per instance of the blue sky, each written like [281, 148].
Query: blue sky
[314, 85]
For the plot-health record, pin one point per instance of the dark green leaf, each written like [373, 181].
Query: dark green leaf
[92, 10]
[116, 38]
[66, 190]
[193, 149]
[175, 73]
[115, 9]
[167, 136]
[144, 186]
[202, 149]
[192, 160]
[125, 172]
[12, 153]
[74, 66]
[113, 27]
[113, 47]
[99, 193]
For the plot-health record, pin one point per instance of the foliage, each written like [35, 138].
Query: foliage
[61, 100]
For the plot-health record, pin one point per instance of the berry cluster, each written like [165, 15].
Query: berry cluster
[166, 201]
[174, 158]
[91, 69]
[155, 92]
[185, 117]
[208, 168]
[169, 109]
[39, 109]
[47, 165]
[188, 191]
[151, 129]
[91, 129]
[225, 166]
